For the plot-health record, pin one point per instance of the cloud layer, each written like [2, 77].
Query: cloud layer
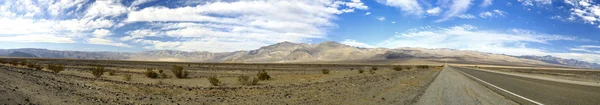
[205, 26]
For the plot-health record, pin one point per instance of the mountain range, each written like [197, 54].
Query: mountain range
[302, 52]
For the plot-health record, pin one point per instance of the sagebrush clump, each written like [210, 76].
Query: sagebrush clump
[23, 62]
[98, 71]
[263, 75]
[375, 68]
[397, 68]
[179, 72]
[127, 77]
[214, 80]
[422, 67]
[111, 73]
[408, 67]
[35, 66]
[245, 80]
[325, 71]
[150, 73]
[162, 74]
[56, 68]
[361, 71]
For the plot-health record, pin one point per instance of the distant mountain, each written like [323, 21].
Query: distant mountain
[561, 61]
[303, 52]
[44, 53]
[21, 54]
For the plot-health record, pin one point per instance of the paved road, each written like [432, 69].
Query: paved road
[542, 91]
[452, 88]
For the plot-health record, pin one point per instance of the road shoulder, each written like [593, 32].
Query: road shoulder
[453, 88]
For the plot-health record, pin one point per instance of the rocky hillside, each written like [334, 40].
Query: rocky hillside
[21, 54]
[302, 52]
[561, 61]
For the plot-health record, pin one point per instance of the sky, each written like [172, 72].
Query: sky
[562, 28]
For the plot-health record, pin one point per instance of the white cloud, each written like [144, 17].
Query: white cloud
[457, 8]
[356, 44]
[467, 16]
[499, 12]
[48, 24]
[494, 13]
[244, 25]
[368, 13]
[37, 38]
[486, 14]
[393, 22]
[106, 8]
[410, 7]
[100, 33]
[357, 4]
[58, 7]
[142, 33]
[99, 37]
[380, 18]
[587, 48]
[486, 3]
[584, 3]
[534, 2]
[139, 2]
[585, 11]
[103, 41]
[467, 37]
[434, 11]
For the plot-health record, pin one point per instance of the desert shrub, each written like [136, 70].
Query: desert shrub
[361, 71]
[179, 72]
[214, 80]
[372, 71]
[31, 65]
[56, 68]
[23, 62]
[325, 71]
[351, 68]
[127, 77]
[263, 75]
[422, 67]
[245, 80]
[397, 68]
[98, 71]
[407, 67]
[14, 63]
[150, 73]
[35, 66]
[111, 73]
[374, 68]
[160, 82]
[162, 74]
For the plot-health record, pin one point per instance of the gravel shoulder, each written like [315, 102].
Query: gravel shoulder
[453, 88]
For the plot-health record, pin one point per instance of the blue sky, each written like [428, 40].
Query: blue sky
[563, 28]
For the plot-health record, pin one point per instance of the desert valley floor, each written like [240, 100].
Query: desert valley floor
[299, 83]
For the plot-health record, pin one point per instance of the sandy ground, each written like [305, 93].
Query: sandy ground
[27, 86]
[453, 88]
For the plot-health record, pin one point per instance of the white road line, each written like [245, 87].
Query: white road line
[501, 89]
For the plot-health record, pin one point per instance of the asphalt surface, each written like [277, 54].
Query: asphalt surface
[452, 88]
[542, 91]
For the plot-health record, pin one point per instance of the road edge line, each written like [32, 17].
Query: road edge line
[504, 90]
